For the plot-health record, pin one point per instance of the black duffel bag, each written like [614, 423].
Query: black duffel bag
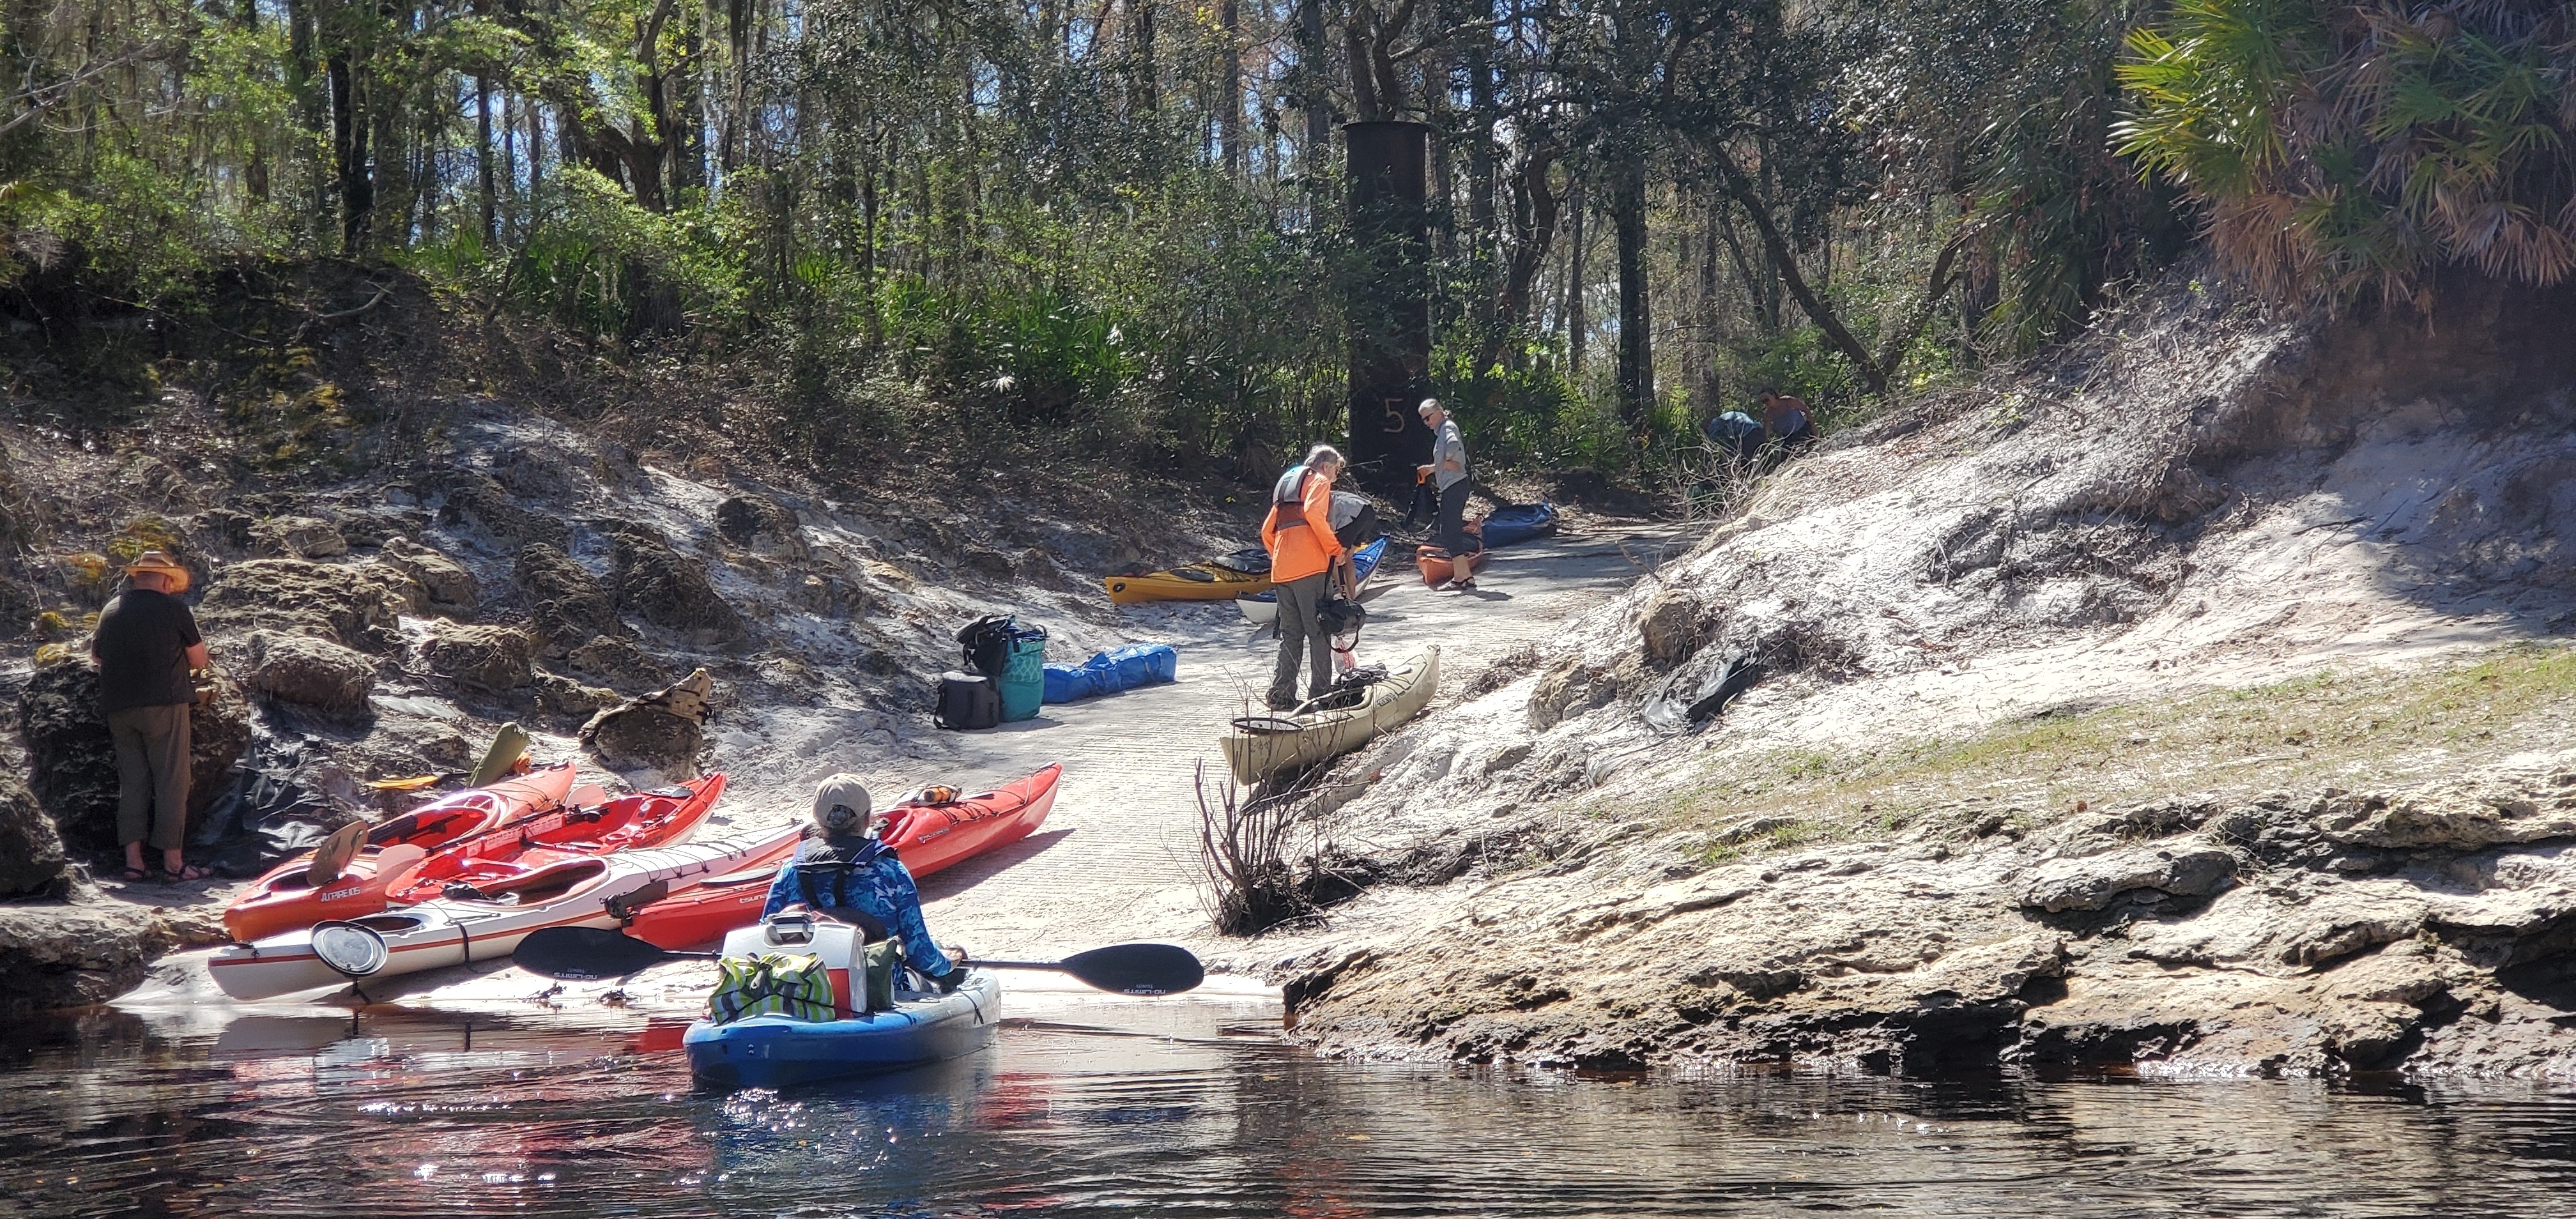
[967, 701]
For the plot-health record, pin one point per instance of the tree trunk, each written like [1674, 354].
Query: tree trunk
[483, 161]
[1229, 121]
[1144, 85]
[1315, 74]
[349, 157]
[1636, 336]
[1577, 326]
[1533, 222]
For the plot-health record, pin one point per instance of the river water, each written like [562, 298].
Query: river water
[1120, 1107]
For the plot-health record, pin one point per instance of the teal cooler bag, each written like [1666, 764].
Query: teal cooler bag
[1023, 682]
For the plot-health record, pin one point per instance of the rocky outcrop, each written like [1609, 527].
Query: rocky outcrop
[310, 672]
[298, 537]
[663, 587]
[2091, 883]
[31, 849]
[2277, 935]
[55, 956]
[72, 764]
[356, 606]
[619, 663]
[446, 587]
[757, 524]
[568, 605]
[568, 703]
[661, 732]
[493, 659]
[475, 502]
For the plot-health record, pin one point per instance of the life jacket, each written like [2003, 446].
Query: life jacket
[1288, 496]
[823, 880]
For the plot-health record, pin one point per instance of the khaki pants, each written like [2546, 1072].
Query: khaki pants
[151, 774]
[1302, 639]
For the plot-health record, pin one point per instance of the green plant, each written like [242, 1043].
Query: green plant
[2339, 150]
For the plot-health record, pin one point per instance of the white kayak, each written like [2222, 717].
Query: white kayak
[1263, 745]
[595, 892]
[1262, 609]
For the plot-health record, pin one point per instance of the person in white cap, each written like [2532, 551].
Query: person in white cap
[843, 870]
[145, 646]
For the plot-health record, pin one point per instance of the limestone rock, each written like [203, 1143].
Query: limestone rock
[72, 956]
[761, 526]
[570, 702]
[2522, 804]
[31, 849]
[1670, 626]
[298, 537]
[495, 659]
[619, 663]
[474, 502]
[73, 764]
[570, 606]
[661, 732]
[448, 588]
[668, 589]
[355, 606]
[2091, 883]
[310, 672]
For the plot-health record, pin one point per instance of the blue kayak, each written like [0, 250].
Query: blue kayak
[1516, 523]
[780, 1051]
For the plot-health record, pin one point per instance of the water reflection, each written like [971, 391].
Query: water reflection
[408, 1112]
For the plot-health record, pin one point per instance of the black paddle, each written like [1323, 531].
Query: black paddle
[587, 954]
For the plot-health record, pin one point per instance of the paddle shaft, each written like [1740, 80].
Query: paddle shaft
[598, 953]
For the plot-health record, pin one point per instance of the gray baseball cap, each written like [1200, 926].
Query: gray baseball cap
[841, 805]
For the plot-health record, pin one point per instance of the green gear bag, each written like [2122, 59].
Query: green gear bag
[771, 984]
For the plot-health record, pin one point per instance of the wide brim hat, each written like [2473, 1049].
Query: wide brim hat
[160, 561]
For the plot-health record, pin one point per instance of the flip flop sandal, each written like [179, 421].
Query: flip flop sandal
[136, 875]
[186, 873]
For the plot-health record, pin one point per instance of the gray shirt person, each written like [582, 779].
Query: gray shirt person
[1448, 445]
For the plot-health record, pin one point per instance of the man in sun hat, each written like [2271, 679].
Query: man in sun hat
[146, 644]
[844, 870]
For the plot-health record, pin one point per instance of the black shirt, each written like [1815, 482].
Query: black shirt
[142, 648]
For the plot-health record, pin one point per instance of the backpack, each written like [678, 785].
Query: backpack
[771, 984]
[1340, 616]
[967, 701]
[987, 643]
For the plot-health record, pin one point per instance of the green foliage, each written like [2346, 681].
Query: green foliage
[2340, 150]
[1525, 412]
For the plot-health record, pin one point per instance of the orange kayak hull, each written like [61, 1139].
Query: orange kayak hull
[1439, 566]
[281, 900]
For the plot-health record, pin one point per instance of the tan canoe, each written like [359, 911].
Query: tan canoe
[1257, 754]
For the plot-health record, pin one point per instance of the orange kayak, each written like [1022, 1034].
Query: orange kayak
[927, 837]
[1438, 566]
[285, 898]
[515, 856]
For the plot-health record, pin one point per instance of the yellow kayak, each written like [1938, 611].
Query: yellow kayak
[1196, 582]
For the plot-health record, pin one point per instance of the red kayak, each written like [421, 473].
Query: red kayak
[287, 897]
[498, 862]
[927, 837]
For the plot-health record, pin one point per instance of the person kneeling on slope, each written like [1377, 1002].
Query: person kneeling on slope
[844, 871]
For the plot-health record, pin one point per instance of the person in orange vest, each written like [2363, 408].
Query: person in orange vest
[1306, 560]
